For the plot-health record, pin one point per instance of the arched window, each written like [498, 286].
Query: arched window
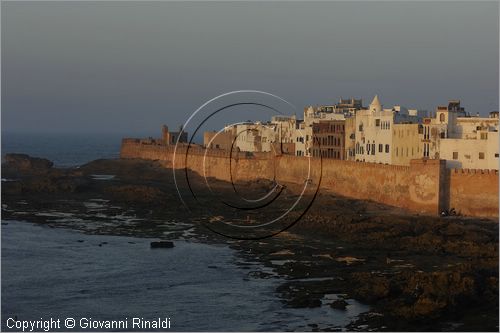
[441, 117]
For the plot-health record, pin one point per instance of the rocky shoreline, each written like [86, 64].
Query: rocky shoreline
[416, 272]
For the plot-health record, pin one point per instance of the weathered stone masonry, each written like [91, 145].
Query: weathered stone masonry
[426, 186]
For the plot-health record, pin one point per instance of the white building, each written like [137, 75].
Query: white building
[301, 137]
[260, 137]
[255, 137]
[463, 141]
[375, 133]
[285, 128]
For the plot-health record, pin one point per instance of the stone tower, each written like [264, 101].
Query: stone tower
[375, 104]
[165, 135]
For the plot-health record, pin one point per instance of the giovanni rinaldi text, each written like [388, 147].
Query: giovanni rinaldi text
[50, 324]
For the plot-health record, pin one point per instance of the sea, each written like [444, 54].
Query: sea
[60, 274]
[65, 150]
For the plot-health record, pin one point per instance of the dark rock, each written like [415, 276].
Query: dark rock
[305, 302]
[23, 162]
[339, 304]
[136, 193]
[48, 182]
[162, 244]
[260, 275]
[370, 287]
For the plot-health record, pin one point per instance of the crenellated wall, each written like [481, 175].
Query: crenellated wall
[474, 192]
[426, 186]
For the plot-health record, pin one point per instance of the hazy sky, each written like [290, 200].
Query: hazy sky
[129, 67]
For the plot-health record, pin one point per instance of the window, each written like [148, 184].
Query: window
[377, 122]
[386, 148]
[373, 149]
[361, 127]
[442, 117]
[484, 136]
[397, 151]
[496, 155]
[481, 156]
[455, 155]
[380, 147]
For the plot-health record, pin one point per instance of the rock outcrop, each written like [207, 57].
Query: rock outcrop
[26, 163]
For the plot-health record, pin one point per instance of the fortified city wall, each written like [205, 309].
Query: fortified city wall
[426, 186]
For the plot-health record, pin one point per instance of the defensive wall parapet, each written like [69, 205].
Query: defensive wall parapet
[426, 186]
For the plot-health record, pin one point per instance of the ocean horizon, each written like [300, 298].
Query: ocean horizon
[68, 149]
[64, 149]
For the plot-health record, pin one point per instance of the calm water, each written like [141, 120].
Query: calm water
[63, 149]
[62, 273]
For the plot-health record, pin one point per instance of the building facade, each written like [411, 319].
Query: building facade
[463, 141]
[220, 140]
[170, 138]
[376, 136]
[328, 138]
[406, 143]
[350, 139]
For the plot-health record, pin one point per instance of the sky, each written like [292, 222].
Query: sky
[129, 67]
